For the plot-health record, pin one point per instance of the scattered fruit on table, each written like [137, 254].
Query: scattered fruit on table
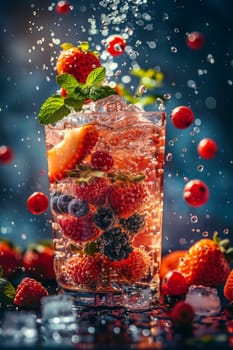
[115, 45]
[170, 261]
[182, 117]
[182, 315]
[6, 154]
[10, 259]
[77, 62]
[76, 144]
[207, 262]
[174, 284]
[38, 261]
[62, 7]
[196, 193]
[29, 293]
[37, 203]
[207, 148]
[195, 40]
[228, 287]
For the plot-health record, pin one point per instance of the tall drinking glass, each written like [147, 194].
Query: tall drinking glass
[106, 169]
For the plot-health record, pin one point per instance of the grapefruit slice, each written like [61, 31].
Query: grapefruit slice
[76, 144]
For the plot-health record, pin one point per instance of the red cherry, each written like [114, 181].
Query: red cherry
[207, 148]
[115, 45]
[6, 154]
[182, 314]
[195, 40]
[173, 284]
[182, 117]
[101, 160]
[196, 193]
[62, 7]
[37, 203]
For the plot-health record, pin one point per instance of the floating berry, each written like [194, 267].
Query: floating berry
[182, 117]
[196, 193]
[207, 148]
[37, 203]
[63, 7]
[195, 40]
[102, 160]
[6, 154]
[78, 207]
[63, 202]
[104, 218]
[173, 284]
[115, 45]
[133, 223]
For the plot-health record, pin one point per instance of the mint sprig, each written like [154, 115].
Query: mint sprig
[57, 107]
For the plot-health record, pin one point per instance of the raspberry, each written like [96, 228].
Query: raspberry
[182, 315]
[87, 273]
[114, 244]
[134, 268]
[79, 229]
[29, 293]
[134, 223]
[104, 218]
[93, 192]
[102, 160]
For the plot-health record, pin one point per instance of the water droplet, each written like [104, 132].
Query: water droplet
[194, 219]
[174, 49]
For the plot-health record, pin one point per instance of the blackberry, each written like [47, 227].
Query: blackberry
[63, 202]
[78, 207]
[104, 218]
[134, 223]
[114, 244]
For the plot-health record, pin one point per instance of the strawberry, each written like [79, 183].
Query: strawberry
[134, 268]
[182, 315]
[76, 144]
[79, 229]
[92, 191]
[126, 198]
[78, 63]
[10, 259]
[29, 293]
[88, 272]
[206, 262]
[170, 262]
[228, 287]
[38, 261]
[69, 268]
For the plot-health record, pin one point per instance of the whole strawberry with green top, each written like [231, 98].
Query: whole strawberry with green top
[77, 62]
[207, 262]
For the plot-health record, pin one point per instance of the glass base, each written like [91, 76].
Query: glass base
[131, 297]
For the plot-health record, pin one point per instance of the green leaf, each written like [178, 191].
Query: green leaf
[98, 92]
[52, 110]
[7, 292]
[75, 101]
[67, 82]
[90, 248]
[96, 76]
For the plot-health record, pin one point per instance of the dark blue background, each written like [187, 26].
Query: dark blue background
[27, 78]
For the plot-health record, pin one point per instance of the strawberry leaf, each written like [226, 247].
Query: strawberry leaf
[67, 81]
[52, 110]
[96, 77]
[7, 292]
[98, 92]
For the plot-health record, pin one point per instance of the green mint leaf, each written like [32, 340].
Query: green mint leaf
[96, 76]
[75, 101]
[52, 110]
[67, 82]
[7, 292]
[98, 92]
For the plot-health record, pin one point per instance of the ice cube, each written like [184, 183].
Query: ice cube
[204, 300]
[113, 103]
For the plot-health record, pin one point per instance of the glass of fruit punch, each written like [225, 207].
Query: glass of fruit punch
[105, 167]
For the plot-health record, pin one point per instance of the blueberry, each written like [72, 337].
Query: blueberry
[53, 201]
[78, 207]
[63, 202]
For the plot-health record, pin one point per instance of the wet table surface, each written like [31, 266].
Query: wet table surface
[121, 329]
